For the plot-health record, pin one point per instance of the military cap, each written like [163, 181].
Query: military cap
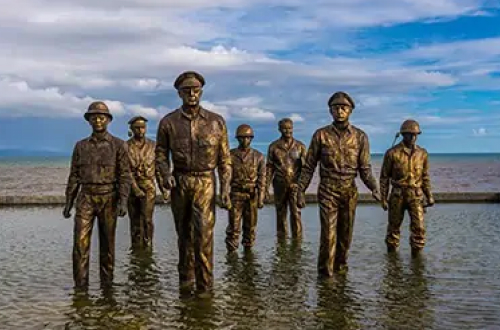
[136, 118]
[341, 98]
[97, 107]
[188, 75]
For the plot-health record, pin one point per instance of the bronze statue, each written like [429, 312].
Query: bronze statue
[343, 151]
[197, 141]
[141, 203]
[406, 168]
[247, 190]
[285, 158]
[100, 167]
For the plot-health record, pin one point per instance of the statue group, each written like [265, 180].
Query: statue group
[110, 177]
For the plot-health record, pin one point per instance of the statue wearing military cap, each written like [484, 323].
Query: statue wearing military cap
[247, 190]
[406, 168]
[141, 203]
[191, 143]
[100, 177]
[189, 78]
[339, 98]
[343, 151]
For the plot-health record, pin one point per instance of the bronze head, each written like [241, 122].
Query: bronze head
[189, 85]
[98, 116]
[341, 106]
[410, 129]
[285, 126]
[244, 135]
[138, 127]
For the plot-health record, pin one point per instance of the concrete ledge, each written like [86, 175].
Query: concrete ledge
[364, 198]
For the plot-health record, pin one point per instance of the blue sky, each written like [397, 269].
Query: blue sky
[437, 61]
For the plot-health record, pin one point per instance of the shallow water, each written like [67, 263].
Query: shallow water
[455, 285]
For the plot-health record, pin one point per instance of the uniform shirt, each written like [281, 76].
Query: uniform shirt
[100, 161]
[284, 163]
[142, 162]
[405, 168]
[195, 144]
[341, 154]
[249, 169]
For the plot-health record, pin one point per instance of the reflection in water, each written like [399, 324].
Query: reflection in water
[196, 313]
[96, 313]
[104, 312]
[337, 307]
[244, 293]
[287, 292]
[405, 296]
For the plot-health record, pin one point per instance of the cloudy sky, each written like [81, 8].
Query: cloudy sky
[437, 61]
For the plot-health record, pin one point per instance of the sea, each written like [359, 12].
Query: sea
[47, 175]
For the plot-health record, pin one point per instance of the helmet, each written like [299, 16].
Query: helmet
[410, 126]
[97, 107]
[244, 130]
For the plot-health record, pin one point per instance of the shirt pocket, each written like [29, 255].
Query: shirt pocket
[207, 149]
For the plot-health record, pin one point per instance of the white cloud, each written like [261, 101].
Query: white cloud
[479, 132]
[296, 118]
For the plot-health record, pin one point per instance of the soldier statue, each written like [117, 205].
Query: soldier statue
[100, 177]
[247, 190]
[285, 158]
[141, 203]
[406, 168]
[343, 151]
[196, 141]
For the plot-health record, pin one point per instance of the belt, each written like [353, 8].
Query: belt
[99, 189]
[193, 173]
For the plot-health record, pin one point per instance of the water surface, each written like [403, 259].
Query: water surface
[455, 285]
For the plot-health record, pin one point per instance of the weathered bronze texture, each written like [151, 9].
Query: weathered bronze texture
[285, 158]
[406, 168]
[343, 151]
[247, 190]
[196, 141]
[100, 177]
[141, 202]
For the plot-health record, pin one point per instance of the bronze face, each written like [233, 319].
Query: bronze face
[99, 122]
[138, 129]
[340, 112]
[286, 129]
[244, 141]
[409, 139]
[190, 91]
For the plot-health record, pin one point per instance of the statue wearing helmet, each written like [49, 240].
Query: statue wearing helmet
[100, 176]
[406, 168]
[247, 190]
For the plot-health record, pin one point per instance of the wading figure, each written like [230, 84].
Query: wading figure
[406, 168]
[285, 158]
[100, 167]
[196, 140]
[343, 151]
[141, 203]
[247, 190]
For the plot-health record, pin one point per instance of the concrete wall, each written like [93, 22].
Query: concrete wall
[466, 197]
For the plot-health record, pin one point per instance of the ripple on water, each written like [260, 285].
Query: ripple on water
[452, 286]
